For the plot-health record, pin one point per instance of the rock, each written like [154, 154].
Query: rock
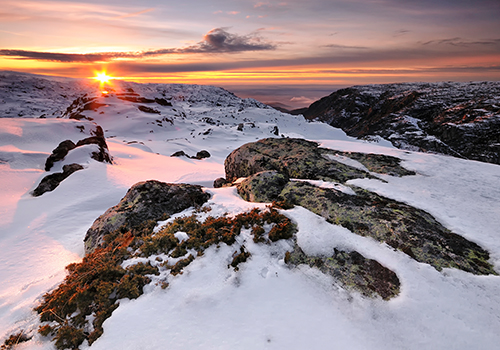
[202, 154]
[410, 230]
[98, 139]
[220, 182]
[458, 119]
[59, 153]
[403, 227]
[50, 182]
[265, 186]
[179, 154]
[295, 158]
[275, 131]
[145, 201]
[352, 270]
[146, 109]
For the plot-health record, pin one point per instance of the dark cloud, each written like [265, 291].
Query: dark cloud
[337, 46]
[62, 57]
[462, 42]
[218, 40]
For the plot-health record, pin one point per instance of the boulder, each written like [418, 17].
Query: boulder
[145, 201]
[295, 158]
[50, 182]
[265, 186]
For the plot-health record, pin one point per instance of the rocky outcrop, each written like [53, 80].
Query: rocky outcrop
[103, 154]
[50, 182]
[302, 159]
[59, 153]
[62, 150]
[458, 119]
[403, 227]
[145, 201]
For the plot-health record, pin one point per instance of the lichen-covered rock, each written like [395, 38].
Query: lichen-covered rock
[403, 227]
[145, 201]
[265, 186]
[352, 270]
[302, 159]
[50, 182]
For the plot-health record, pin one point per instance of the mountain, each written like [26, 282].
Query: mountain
[190, 218]
[459, 119]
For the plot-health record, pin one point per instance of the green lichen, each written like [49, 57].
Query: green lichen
[352, 270]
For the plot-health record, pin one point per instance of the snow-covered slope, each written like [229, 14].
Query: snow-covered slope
[264, 304]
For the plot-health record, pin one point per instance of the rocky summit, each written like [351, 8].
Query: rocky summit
[458, 119]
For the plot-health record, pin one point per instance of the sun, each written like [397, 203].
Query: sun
[103, 78]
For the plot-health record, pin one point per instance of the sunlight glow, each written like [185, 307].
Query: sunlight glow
[102, 77]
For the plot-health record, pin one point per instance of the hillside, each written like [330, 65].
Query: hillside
[458, 119]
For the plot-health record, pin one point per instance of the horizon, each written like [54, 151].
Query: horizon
[287, 52]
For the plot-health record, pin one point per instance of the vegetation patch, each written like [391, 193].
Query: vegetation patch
[76, 309]
[14, 339]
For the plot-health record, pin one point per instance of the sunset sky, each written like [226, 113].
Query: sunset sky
[292, 51]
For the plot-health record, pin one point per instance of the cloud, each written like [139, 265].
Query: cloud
[462, 42]
[337, 46]
[134, 14]
[218, 40]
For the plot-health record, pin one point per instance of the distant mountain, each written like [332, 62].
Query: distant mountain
[459, 119]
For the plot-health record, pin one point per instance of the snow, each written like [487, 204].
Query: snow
[265, 304]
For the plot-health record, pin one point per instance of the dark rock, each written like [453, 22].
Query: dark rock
[146, 109]
[50, 182]
[145, 201]
[59, 153]
[220, 182]
[202, 154]
[352, 270]
[265, 186]
[179, 154]
[136, 99]
[163, 102]
[98, 139]
[275, 131]
[240, 127]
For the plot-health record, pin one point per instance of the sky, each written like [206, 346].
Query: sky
[293, 52]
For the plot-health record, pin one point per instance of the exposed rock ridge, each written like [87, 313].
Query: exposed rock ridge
[266, 166]
[458, 119]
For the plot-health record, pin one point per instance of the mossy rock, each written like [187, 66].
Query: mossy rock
[144, 202]
[403, 227]
[352, 270]
[262, 187]
[294, 158]
[302, 159]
